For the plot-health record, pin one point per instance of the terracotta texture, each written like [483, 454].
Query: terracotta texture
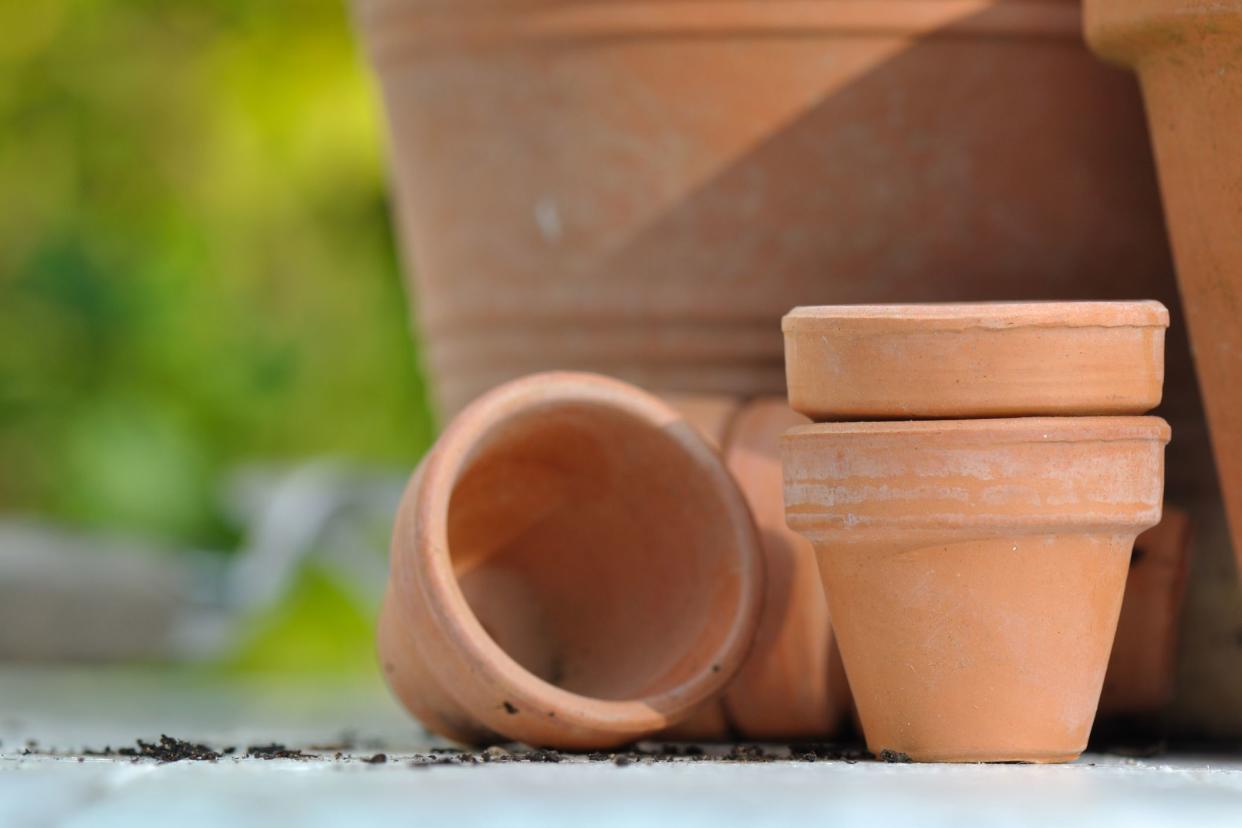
[643, 189]
[987, 359]
[712, 415]
[975, 570]
[791, 685]
[1188, 56]
[572, 566]
[1143, 665]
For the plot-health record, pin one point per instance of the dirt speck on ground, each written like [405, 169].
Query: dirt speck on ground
[275, 750]
[887, 755]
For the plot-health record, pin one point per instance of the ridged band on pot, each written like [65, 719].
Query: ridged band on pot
[645, 188]
[572, 567]
[975, 570]
[986, 359]
[1186, 54]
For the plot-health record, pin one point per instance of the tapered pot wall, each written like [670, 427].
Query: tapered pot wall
[643, 189]
[1188, 55]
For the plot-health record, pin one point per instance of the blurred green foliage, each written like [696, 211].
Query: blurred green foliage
[196, 268]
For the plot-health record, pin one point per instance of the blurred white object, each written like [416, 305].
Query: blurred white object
[67, 596]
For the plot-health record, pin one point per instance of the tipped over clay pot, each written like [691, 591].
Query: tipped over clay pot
[1143, 664]
[572, 567]
[1188, 56]
[975, 570]
[985, 359]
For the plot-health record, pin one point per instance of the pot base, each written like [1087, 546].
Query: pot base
[982, 650]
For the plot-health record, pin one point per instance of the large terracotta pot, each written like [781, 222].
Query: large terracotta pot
[572, 566]
[1186, 53]
[644, 188]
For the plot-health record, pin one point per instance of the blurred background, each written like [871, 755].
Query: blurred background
[204, 344]
[209, 399]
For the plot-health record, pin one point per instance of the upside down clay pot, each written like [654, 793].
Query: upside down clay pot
[791, 685]
[572, 567]
[1143, 664]
[1188, 56]
[644, 188]
[975, 571]
[983, 359]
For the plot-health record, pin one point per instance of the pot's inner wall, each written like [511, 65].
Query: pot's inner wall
[594, 551]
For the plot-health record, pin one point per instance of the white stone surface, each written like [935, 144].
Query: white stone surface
[67, 711]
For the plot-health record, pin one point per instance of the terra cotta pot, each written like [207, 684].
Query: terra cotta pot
[643, 189]
[572, 566]
[982, 359]
[1143, 664]
[1186, 54]
[791, 685]
[975, 570]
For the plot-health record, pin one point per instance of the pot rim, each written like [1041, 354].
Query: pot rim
[995, 431]
[430, 24]
[425, 560]
[958, 316]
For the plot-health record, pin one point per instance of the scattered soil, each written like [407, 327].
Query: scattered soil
[894, 756]
[275, 751]
[167, 749]
[349, 749]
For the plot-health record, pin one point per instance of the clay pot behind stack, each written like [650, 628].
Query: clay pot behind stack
[792, 686]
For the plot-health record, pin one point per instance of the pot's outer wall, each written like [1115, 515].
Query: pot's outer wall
[1188, 55]
[649, 205]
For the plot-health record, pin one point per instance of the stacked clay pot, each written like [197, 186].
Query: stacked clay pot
[973, 487]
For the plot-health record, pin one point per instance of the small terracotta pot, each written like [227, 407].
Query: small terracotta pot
[572, 567]
[975, 570]
[712, 415]
[791, 685]
[987, 359]
[1186, 53]
[643, 188]
[1143, 664]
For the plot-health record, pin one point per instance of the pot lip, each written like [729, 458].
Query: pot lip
[386, 24]
[427, 563]
[999, 431]
[959, 316]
